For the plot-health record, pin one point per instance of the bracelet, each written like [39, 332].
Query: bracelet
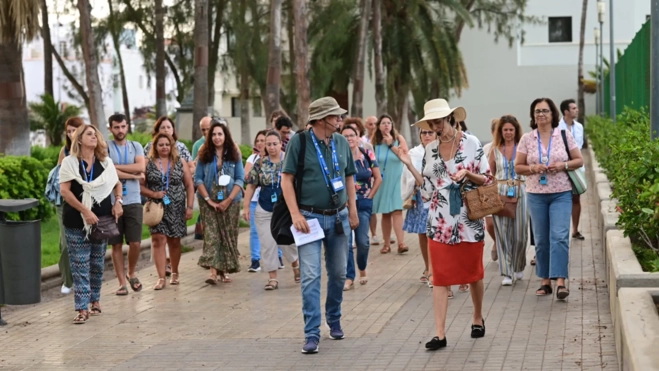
[531, 169]
[190, 208]
[566, 166]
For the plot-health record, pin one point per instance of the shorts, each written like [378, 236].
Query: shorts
[130, 225]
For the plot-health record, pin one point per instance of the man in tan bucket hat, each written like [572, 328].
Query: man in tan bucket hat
[329, 196]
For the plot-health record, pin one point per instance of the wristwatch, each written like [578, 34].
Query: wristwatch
[566, 166]
[120, 200]
[206, 198]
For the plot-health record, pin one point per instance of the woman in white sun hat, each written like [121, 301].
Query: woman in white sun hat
[455, 243]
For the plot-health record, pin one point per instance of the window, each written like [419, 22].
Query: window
[560, 29]
[63, 50]
[257, 107]
[235, 107]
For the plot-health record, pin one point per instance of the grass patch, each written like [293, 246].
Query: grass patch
[647, 258]
[50, 239]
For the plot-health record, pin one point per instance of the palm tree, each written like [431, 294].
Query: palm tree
[380, 100]
[19, 22]
[581, 103]
[115, 27]
[200, 105]
[96, 112]
[48, 115]
[47, 46]
[273, 84]
[161, 98]
[360, 60]
[301, 62]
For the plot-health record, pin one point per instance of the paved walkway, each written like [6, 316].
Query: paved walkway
[387, 322]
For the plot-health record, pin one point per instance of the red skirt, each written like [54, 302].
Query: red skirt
[456, 264]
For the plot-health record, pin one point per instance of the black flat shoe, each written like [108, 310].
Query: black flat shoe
[435, 343]
[478, 331]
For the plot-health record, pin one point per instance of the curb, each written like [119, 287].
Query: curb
[50, 276]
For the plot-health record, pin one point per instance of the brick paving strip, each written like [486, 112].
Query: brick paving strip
[387, 322]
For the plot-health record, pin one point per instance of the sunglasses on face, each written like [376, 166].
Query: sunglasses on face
[539, 112]
[429, 132]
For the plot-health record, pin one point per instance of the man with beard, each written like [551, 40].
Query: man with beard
[128, 158]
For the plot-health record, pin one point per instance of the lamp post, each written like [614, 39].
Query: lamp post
[612, 64]
[598, 88]
[601, 12]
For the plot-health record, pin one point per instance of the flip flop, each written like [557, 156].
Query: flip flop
[133, 283]
[123, 291]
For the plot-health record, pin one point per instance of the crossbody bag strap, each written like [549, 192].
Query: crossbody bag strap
[567, 149]
[299, 173]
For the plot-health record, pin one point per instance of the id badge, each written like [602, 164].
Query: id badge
[543, 179]
[511, 191]
[220, 195]
[273, 198]
[165, 200]
[337, 184]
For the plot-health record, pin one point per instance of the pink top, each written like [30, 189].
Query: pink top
[558, 182]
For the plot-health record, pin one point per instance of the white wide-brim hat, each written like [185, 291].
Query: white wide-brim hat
[437, 109]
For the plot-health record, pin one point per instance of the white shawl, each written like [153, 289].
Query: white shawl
[92, 192]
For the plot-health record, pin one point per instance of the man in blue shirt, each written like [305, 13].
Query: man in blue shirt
[128, 158]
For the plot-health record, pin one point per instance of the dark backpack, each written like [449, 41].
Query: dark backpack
[281, 222]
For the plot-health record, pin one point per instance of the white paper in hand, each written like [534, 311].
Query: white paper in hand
[315, 233]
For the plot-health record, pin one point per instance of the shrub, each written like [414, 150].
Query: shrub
[49, 115]
[629, 157]
[25, 177]
[47, 155]
[245, 151]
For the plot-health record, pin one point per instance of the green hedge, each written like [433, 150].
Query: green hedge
[630, 159]
[25, 177]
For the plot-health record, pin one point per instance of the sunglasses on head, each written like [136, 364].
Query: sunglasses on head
[218, 120]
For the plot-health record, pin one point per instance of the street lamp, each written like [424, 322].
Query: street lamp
[601, 12]
[598, 88]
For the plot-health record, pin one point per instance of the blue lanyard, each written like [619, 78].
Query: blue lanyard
[272, 185]
[386, 157]
[321, 159]
[119, 154]
[512, 161]
[88, 176]
[166, 181]
[540, 148]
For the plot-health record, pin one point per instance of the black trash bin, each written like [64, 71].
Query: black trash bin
[20, 255]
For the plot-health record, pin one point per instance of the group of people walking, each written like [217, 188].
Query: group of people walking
[351, 171]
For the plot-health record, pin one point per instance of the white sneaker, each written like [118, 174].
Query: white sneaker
[65, 290]
[519, 275]
[375, 240]
[507, 281]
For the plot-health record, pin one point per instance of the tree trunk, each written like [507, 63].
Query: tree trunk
[581, 103]
[47, 54]
[292, 101]
[161, 95]
[357, 109]
[380, 99]
[200, 106]
[76, 85]
[115, 33]
[301, 62]
[245, 135]
[14, 125]
[273, 84]
[96, 113]
[214, 47]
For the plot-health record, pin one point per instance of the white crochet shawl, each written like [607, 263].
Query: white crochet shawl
[92, 192]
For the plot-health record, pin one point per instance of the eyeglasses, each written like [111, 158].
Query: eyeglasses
[350, 136]
[543, 112]
[429, 132]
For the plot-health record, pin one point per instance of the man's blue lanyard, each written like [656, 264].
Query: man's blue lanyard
[512, 161]
[88, 176]
[540, 148]
[274, 185]
[386, 157]
[119, 154]
[165, 180]
[321, 159]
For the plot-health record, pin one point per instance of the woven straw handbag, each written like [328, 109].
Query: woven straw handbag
[483, 200]
[152, 214]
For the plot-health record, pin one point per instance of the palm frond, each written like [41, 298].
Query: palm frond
[19, 20]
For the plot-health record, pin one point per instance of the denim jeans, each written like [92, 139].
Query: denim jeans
[310, 272]
[364, 211]
[254, 243]
[551, 214]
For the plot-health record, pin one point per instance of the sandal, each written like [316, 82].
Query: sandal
[96, 310]
[430, 284]
[296, 273]
[450, 292]
[160, 286]
[174, 279]
[212, 280]
[424, 278]
[225, 278]
[81, 318]
[348, 287]
[533, 261]
[463, 288]
[545, 289]
[270, 286]
[578, 236]
[385, 250]
[135, 284]
[494, 255]
[168, 270]
[363, 280]
[402, 249]
[123, 291]
[562, 292]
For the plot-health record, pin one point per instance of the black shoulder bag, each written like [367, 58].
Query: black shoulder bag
[281, 222]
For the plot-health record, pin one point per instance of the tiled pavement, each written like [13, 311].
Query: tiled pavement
[240, 326]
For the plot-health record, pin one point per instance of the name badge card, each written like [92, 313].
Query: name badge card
[337, 184]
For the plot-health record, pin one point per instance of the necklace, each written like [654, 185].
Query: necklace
[448, 140]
